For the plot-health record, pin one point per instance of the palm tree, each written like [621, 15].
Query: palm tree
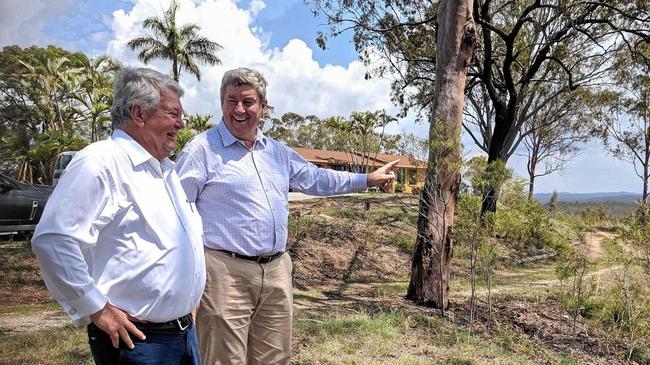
[183, 46]
[54, 79]
[198, 122]
[95, 94]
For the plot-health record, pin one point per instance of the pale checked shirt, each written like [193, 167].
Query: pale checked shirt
[242, 194]
[118, 228]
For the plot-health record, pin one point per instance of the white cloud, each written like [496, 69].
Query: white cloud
[296, 81]
[23, 20]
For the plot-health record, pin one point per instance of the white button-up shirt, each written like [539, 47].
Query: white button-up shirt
[119, 228]
[242, 194]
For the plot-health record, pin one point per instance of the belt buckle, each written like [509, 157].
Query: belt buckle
[180, 325]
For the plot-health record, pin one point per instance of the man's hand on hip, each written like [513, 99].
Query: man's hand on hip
[115, 322]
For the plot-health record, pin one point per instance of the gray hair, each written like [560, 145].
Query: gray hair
[138, 86]
[244, 76]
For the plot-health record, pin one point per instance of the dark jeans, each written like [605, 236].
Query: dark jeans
[160, 348]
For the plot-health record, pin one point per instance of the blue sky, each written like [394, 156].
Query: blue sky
[278, 38]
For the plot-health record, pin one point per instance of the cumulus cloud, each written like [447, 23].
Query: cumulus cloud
[297, 82]
[23, 20]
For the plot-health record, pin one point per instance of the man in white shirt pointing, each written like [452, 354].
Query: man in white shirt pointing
[119, 245]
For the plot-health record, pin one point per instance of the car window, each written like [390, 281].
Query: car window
[5, 181]
[63, 161]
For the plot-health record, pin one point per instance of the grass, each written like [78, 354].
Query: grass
[27, 309]
[382, 289]
[60, 346]
[404, 241]
[392, 337]
[366, 321]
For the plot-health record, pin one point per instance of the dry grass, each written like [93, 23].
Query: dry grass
[351, 274]
[56, 346]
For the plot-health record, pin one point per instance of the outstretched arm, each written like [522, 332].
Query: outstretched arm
[383, 175]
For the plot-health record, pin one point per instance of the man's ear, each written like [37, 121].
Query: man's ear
[137, 115]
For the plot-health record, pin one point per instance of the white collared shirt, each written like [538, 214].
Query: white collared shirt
[119, 228]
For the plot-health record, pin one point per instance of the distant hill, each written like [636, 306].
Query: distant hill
[617, 197]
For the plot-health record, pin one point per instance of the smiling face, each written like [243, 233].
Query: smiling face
[156, 129]
[242, 111]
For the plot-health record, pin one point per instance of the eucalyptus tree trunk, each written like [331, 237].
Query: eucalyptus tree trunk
[456, 39]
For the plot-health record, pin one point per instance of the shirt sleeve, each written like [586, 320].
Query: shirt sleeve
[313, 180]
[78, 209]
[191, 174]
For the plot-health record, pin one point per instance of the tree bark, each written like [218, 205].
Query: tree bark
[456, 39]
[532, 166]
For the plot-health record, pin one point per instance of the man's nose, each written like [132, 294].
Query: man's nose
[239, 107]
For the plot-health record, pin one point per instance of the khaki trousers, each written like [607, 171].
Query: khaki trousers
[246, 311]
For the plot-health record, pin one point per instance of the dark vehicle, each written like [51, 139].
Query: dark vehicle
[21, 205]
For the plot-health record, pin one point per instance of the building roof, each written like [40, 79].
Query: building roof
[355, 158]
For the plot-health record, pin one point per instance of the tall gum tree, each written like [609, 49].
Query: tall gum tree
[431, 263]
[427, 46]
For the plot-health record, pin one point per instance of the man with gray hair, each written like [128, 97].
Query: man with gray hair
[239, 179]
[119, 245]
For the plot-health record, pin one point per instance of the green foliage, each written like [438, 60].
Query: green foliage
[624, 306]
[300, 227]
[528, 225]
[62, 100]
[576, 288]
[637, 233]
[480, 176]
[360, 136]
[65, 345]
[399, 187]
[198, 122]
[593, 214]
[389, 288]
[382, 216]
[182, 137]
[194, 124]
[384, 324]
[624, 111]
[183, 45]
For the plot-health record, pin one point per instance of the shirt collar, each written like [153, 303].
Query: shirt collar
[137, 154]
[228, 138]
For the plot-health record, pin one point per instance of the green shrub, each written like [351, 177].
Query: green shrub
[529, 225]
